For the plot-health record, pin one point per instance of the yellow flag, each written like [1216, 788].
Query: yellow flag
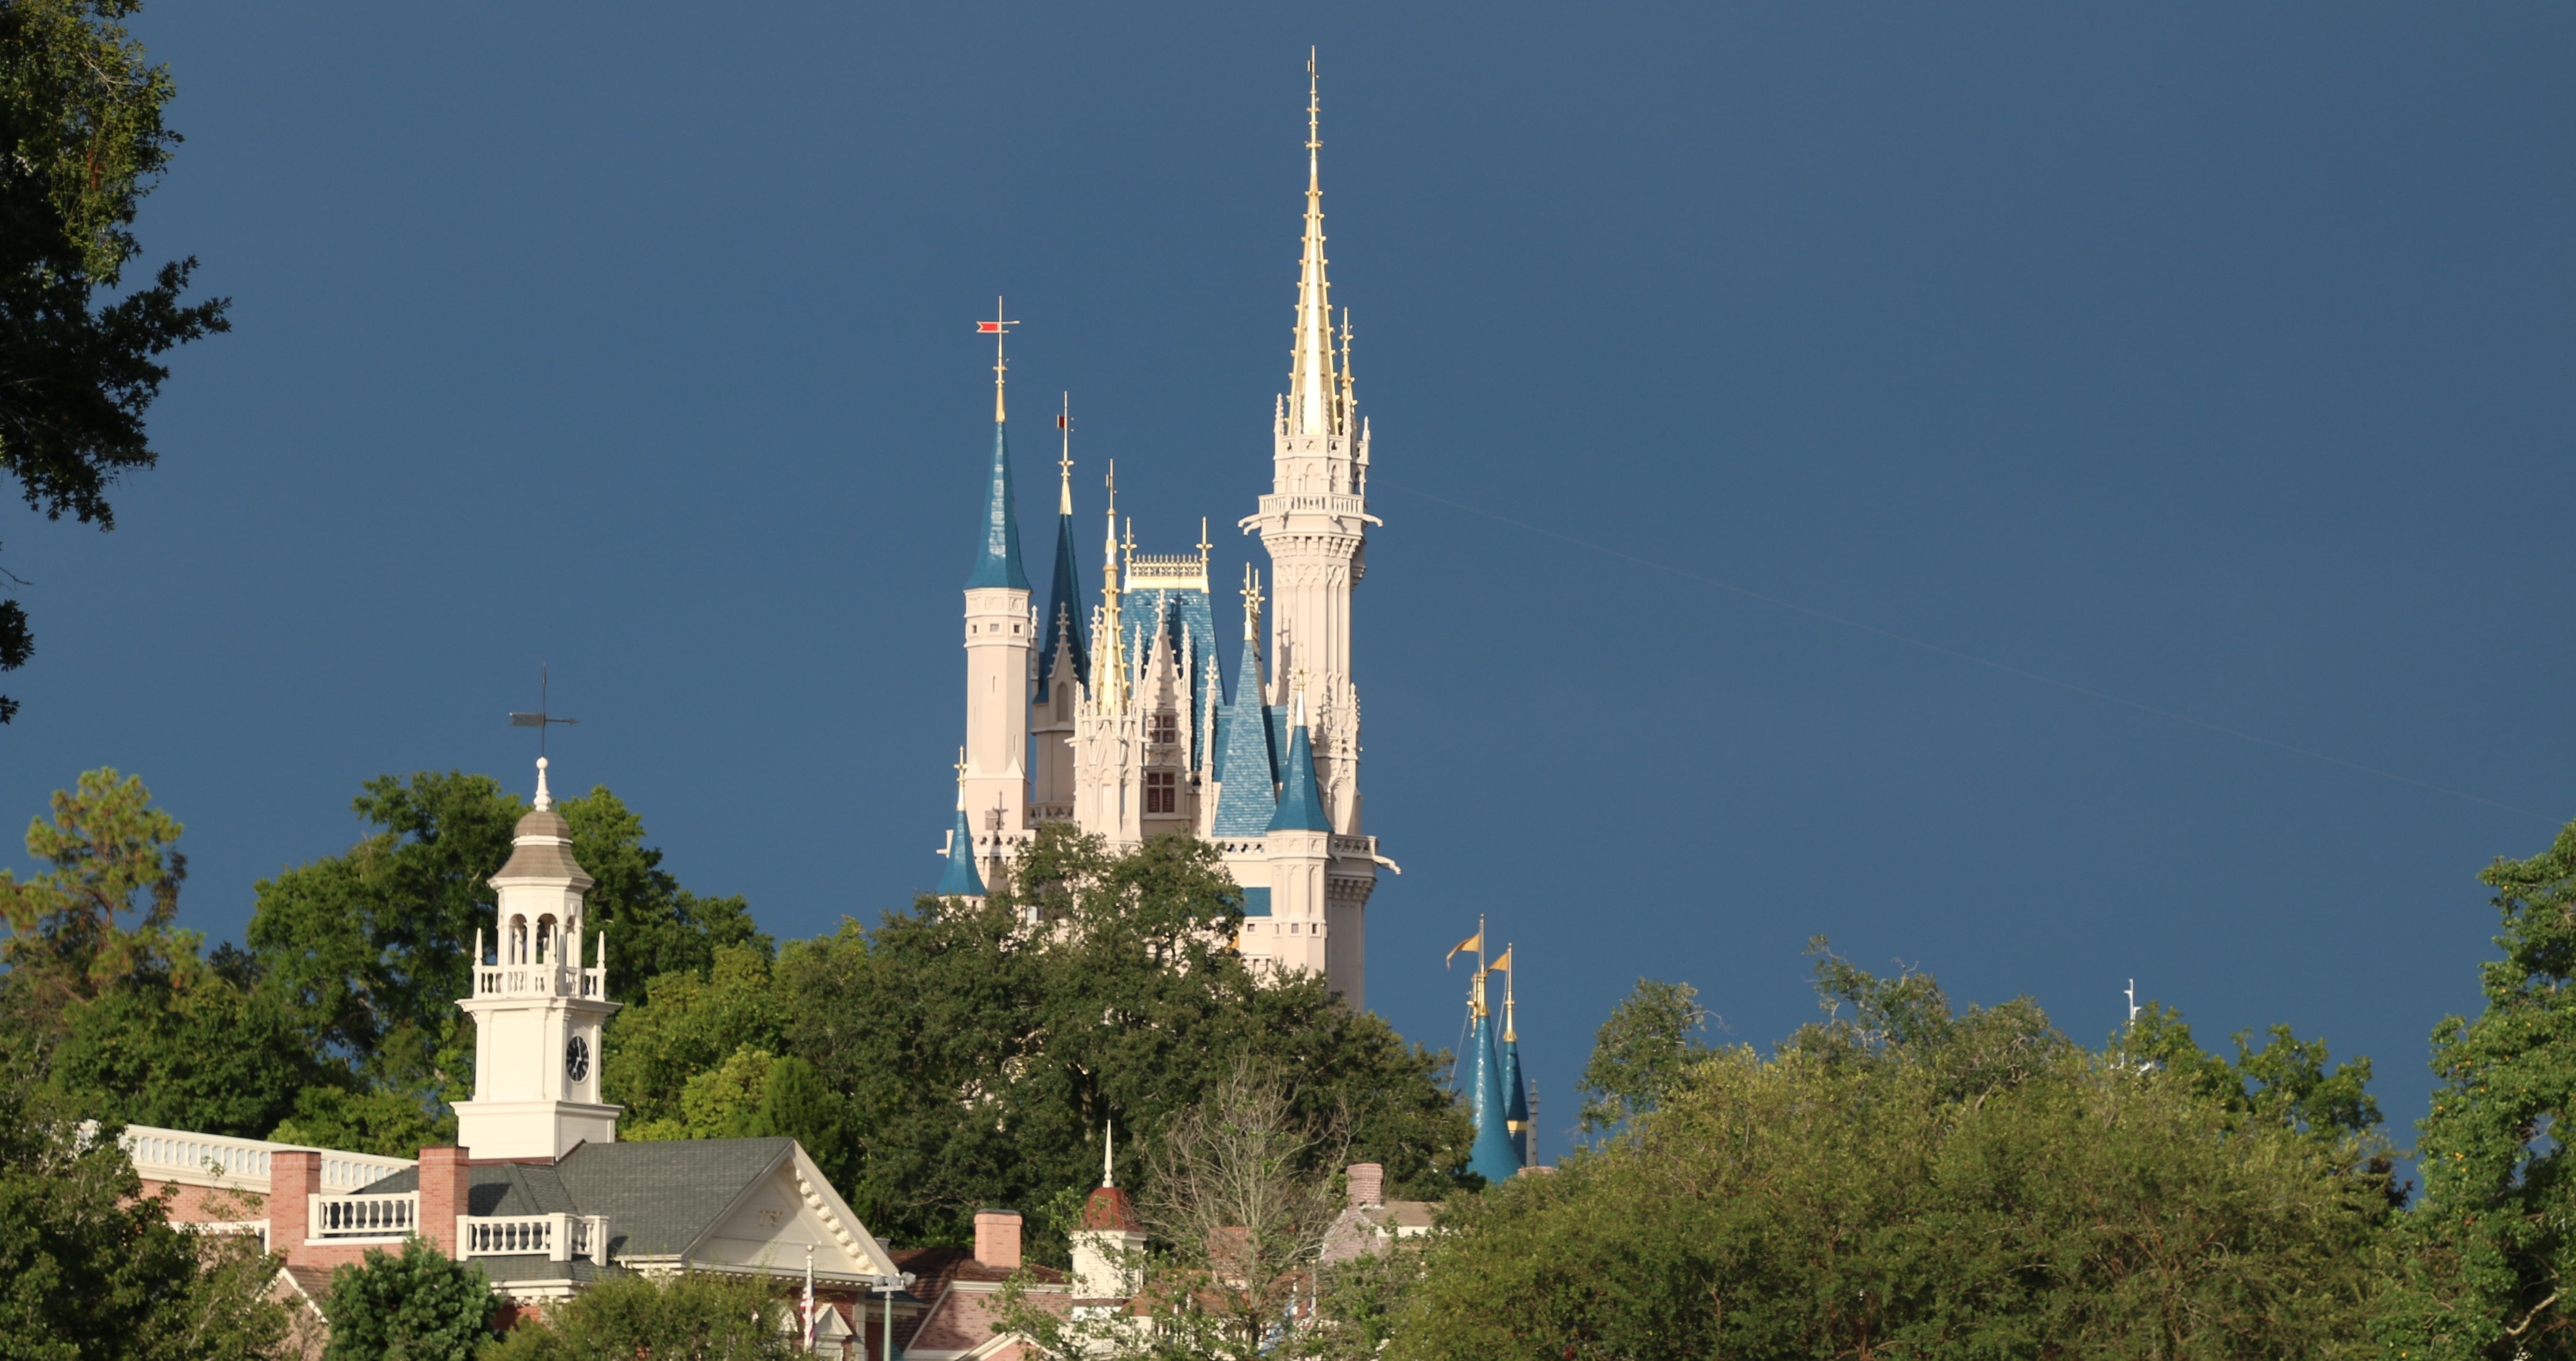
[1502, 962]
[1474, 942]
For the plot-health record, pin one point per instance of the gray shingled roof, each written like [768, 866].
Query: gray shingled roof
[659, 1197]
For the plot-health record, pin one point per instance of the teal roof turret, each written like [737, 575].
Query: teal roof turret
[1493, 1156]
[1064, 609]
[997, 562]
[1301, 805]
[960, 879]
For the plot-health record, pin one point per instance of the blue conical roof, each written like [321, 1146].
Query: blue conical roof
[1301, 805]
[1494, 1156]
[960, 880]
[1064, 609]
[997, 562]
[1515, 1091]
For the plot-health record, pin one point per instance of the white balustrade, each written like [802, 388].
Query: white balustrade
[242, 1164]
[395, 1216]
[539, 980]
[557, 1237]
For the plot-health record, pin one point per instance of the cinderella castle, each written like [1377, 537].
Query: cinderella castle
[1114, 713]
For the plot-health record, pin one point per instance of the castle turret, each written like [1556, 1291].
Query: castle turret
[537, 1008]
[1494, 1156]
[960, 879]
[1516, 1106]
[1063, 656]
[1300, 851]
[1000, 642]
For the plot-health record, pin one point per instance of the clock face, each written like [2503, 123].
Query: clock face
[577, 1058]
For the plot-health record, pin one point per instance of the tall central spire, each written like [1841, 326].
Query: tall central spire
[1310, 375]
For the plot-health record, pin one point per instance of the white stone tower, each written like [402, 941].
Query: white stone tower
[1000, 647]
[537, 1009]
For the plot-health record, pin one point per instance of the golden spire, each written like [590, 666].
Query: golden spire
[1342, 418]
[961, 779]
[1251, 601]
[1509, 1036]
[1204, 545]
[1109, 675]
[1310, 375]
[997, 328]
[1064, 423]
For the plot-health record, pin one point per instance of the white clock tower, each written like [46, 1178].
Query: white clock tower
[537, 1008]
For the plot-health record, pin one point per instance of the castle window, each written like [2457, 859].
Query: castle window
[1162, 792]
[1164, 728]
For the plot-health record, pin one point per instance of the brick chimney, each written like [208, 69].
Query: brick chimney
[293, 1174]
[1367, 1184]
[997, 1238]
[443, 1180]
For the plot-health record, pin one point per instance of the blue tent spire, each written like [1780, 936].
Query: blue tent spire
[960, 879]
[1064, 609]
[1516, 1111]
[1301, 806]
[1493, 1157]
[997, 563]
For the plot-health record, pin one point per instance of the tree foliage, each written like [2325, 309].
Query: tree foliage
[2489, 1252]
[84, 141]
[691, 1315]
[89, 1267]
[1909, 1179]
[1649, 1040]
[979, 1053]
[69, 932]
[413, 1306]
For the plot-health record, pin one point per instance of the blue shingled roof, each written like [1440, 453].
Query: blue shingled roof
[1301, 805]
[961, 880]
[997, 562]
[1064, 609]
[1246, 765]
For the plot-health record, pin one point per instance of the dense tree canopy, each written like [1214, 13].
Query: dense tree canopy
[1907, 1179]
[80, 123]
[90, 1268]
[416, 1304]
[693, 1315]
[2489, 1253]
[979, 1054]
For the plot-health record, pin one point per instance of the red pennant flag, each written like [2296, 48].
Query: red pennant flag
[987, 327]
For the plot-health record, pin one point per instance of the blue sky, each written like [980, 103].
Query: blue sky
[2209, 357]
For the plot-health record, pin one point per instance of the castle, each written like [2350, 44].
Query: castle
[1116, 716]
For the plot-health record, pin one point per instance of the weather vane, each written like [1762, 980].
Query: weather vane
[540, 720]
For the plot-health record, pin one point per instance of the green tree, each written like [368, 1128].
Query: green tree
[1650, 1038]
[690, 1024]
[979, 1057]
[1906, 1178]
[80, 121]
[692, 1315]
[2486, 1256]
[417, 1306]
[2285, 1081]
[392, 1123]
[112, 863]
[90, 1267]
[215, 1056]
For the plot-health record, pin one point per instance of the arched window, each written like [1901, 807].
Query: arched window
[518, 940]
[545, 939]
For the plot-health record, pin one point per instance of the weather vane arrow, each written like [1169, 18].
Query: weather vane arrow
[540, 720]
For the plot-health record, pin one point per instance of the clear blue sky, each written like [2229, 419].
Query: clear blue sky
[2214, 357]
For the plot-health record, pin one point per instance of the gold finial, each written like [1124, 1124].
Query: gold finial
[1314, 142]
[997, 328]
[1508, 1019]
[1064, 423]
[961, 779]
[1251, 601]
[1204, 545]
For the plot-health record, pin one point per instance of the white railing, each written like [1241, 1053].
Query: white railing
[242, 1164]
[557, 1237]
[539, 980]
[396, 1216]
[256, 1228]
